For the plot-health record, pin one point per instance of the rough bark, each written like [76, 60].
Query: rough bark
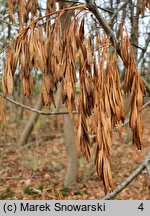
[72, 165]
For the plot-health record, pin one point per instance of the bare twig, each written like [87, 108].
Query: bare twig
[135, 45]
[146, 85]
[32, 109]
[94, 9]
[147, 164]
[144, 49]
[117, 11]
[140, 168]
[106, 10]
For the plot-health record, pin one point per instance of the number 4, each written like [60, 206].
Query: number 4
[141, 207]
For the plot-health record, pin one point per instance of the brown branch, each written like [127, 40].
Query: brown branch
[146, 85]
[147, 164]
[106, 10]
[145, 48]
[135, 45]
[140, 168]
[117, 11]
[34, 110]
[52, 113]
[94, 9]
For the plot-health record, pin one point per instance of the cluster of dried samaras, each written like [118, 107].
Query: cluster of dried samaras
[59, 54]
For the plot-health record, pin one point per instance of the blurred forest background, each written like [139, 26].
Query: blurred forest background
[38, 152]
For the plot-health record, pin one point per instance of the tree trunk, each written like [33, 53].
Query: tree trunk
[72, 166]
[30, 125]
[35, 116]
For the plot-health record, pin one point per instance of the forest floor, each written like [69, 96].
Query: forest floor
[36, 171]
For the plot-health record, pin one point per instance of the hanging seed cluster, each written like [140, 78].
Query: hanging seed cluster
[24, 8]
[59, 54]
[134, 85]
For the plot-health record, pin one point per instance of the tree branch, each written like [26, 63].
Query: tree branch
[141, 167]
[106, 10]
[117, 11]
[135, 45]
[94, 9]
[146, 85]
[144, 49]
[147, 164]
[32, 109]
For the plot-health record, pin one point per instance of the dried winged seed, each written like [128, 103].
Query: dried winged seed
[104, 174]
[23, 59]
[64, 93]
[136, 140]
[107, 174]
[122, 110]
[116, 95]
[121, 106]
[99, 161]
[133, 88]
[47, 82]
[87, 150]
[111, 100]
[78, 125]
[126, 80]
[30, 83]
[89, 50]
[107, 105]
[11, 9]
[119, 126]
[69, 89]
[99, 136]
[140, 127]
[139, 98]
[9, 81]
[4, 86]
[142, 85]
[69, 105]
[118, 113]
[24, 86]
[104, 121]
[106, 142]
[133, 115]
[95, 71]
[81, 31]
[116, 107]
[45, 97]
